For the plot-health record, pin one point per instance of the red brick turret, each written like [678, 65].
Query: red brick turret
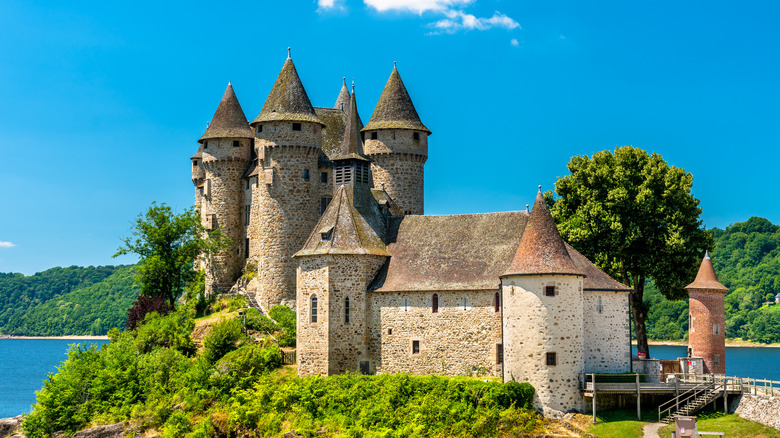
[707, 337]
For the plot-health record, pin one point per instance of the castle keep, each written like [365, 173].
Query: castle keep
[329, 213]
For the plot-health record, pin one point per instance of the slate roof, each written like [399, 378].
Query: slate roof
[287, 100]
[342, 102]
[229, 119]
[395, 109]
[452, 252]
[350, 232]
[541, 250]
[335, 121]
[595, 278]
[706, 278]
[352, 142]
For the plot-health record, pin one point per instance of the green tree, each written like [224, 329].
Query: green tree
[168, 244]
[634, 215]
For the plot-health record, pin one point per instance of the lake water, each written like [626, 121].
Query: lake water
[24, 365]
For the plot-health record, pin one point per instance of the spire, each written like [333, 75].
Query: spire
[706, 278]
[395, 109]
[352, 142]
[541, 249]
[343, 230]
[342, 102]
[229, 119]
[287, 100]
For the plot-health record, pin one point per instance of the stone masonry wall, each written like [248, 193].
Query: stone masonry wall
[706, 309]
[453, 341]
[399, 164]
[760, 408]
[534, 325]
[607, 332]
[313, 276]
[284, 205]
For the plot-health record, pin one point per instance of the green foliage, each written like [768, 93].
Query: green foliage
[66, 301]
[222, 339]
[168, 243]
[617, 424]
[258, 322]
[286, 319]
[171, 331]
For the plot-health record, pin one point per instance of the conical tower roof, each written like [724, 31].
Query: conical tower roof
[395, 109]
[343, 230]
[342, 102]
[229, 119]
[352, 142]
[706, 278]
[541, 249]
[287, 100]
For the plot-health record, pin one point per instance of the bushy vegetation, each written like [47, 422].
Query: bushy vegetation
[747, 260]
[66, 301]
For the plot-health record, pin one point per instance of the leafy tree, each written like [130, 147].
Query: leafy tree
[168, 244]
[634, 215]
[143, 306]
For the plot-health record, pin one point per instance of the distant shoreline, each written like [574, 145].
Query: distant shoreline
[71, 338]
[729, 343]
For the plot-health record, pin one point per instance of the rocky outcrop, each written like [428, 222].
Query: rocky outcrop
[9, 427]
[107, 431]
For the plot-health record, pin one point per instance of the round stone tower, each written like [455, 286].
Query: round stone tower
[288, 138]
[225, 151]
[397, 143]
[706, 332]
[543, 316]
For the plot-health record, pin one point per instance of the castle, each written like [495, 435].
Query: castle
[328, 213]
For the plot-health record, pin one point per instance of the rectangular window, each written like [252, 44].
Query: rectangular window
[373, 135]
[552, 360]
[306, 174]
[296, 126]
[416, 136]
[246, 248]
[499, 353]
[549, 291]
[236, 143]
[716, 359]
[259, 128]
[599, 306]
[324, 205]
[415, 347]
[715, 329]
[406, 304]
[194, 163]
[247, 214]
[324, 177]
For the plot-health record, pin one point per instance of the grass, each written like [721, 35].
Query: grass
[617, 424]
[731, 424]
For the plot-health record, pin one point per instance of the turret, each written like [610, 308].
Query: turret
[543, 315]
[224, 155]
[707, 323]
[288, 135]
[397, 142]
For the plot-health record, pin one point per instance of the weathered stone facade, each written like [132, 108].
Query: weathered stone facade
[759, 408]
[399, 166]
[607, 343]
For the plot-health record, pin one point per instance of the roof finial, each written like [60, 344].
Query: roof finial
[288, 53]
[540, 188]
[353, 85]
[345, 79]
[527, 210]
[229, 83]
[707, 254]
[394, 66]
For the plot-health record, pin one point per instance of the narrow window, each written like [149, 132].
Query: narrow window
[715, 329]
[406, 304]
[416, 136]
[346, 310]
[552, 360]
[194, 163]
[324, 205]
[499, 353]
[497, 302]
[205, 144]
[435, 303]
[415, 347]
[259, 128]
[373, 135]
[246, 248]
[549, 291]
[393, 135]
[236, 143]
[247, 183]
[247, 214]
[717, 360]
[306, 174]
[465, 302]
[296, 126]
[389, 331]
[324, 177]
[599, 306]
[314, 309]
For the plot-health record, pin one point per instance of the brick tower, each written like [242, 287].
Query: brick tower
[543, 315]
[217, 169]
[397, 142]
[288, 139]
[706, 304]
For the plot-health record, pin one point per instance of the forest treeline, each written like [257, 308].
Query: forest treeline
[66, 301]
[746, 258]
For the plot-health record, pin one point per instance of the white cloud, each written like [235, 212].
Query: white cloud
[326, 5]
[6, 244]
[418, 6]
[514, 42]
[459, 20]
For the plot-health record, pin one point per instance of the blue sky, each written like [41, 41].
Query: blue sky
[103, 102]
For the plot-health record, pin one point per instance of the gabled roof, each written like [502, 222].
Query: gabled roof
[352, 142]
[342, 102]
[395, 109]
[595, 278]
[706, 278]
[541, 250]
[287, 100]
[229, 119]
[347, 230]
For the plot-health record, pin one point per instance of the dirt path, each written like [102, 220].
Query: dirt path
[651, 430]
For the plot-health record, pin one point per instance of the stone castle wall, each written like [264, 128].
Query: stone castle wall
[313, 276]
[706, 308]
[534, 325]
[399, 164]
[453, 341]
[607, 333]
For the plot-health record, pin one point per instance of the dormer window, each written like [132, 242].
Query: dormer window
[416, 136]
[296, 126]
[236, 143]
[326, 234]
[374, 135]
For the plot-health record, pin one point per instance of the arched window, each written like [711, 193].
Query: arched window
[314, 308]
[346, 310]
[497, 302]
[435, 303]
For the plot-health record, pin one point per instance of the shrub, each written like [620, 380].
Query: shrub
[258, 322]
[285, 317]
[222, 339]
[172, 330]
[144, 306]
[237, 368]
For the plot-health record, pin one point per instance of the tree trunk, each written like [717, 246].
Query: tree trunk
[639, 314]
